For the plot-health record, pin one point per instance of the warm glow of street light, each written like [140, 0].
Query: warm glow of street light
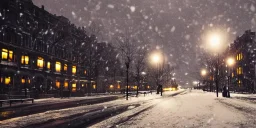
[203, 72]
[230, 61]
[214, 40]
[156, 58]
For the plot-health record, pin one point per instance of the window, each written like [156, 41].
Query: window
[25, 60]
[239, 56]
[94, 86]
[23, 80]
[239, 71]
[66, 85]
[73, 69]
[73, 87]
[4, 54]
[57, 84]
[40, 62]
[58, 66]
[7, 55]
[48, 65]
[65, 67]
[7, 80]
[10, 55]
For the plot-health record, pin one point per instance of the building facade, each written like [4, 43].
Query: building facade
[43, 54]
[244, 51]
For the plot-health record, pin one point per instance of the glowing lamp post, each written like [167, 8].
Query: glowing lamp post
[230, 63]
[203, 74]
[215, 45]
[156, 59]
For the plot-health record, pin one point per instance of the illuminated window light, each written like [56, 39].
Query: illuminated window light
[57, 84]
[25, 60]
[58, 66]
[65, 67]
[40, 62]
[73, 69]
[66, 85]
[7, 80]
[4, 54]
[49, 65]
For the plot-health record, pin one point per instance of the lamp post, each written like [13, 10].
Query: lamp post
[143, 78]
[214, 41]
[203, 74]
[230, 63]
[156, 59]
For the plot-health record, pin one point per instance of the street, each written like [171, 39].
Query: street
[190, 109]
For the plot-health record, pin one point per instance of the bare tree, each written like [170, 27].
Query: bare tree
[139, 65]
[127, 49]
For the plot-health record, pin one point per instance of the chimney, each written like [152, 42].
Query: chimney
[43, 7]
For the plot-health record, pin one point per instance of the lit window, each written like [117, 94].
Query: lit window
[25, 60]
[10, 55]
[94, 86]
[49, 65]
[118, 86]
[57, 84]
[4, 54]
[58, 66]
[85, 72]
[40, 62]
[74, 69]
[1, 79]
[239, 70]
[23, 80]
[65, 67]
[7, 80]
[73, 87]
[65, 84]
[148, 87]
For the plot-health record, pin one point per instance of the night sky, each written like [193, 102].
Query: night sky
[176, 26]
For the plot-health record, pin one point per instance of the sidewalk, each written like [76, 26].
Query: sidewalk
[42, 105]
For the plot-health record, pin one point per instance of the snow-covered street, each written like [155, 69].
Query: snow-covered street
[190, 109]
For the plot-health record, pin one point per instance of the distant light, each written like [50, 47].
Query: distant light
[203, 72]
[195, 82]
[230, 61]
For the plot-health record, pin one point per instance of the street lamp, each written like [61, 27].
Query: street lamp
[215, 44]
[156, 59]
[203, 74]
[230, 63]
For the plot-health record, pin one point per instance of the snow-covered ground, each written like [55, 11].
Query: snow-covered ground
[63, 113]
[191, 109]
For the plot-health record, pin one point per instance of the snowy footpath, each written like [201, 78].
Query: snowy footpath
[192, 109]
